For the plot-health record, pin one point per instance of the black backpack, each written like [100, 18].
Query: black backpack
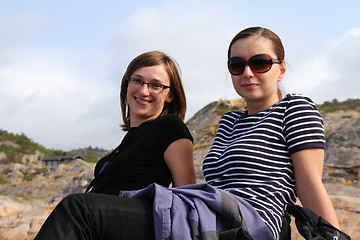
[309, 225]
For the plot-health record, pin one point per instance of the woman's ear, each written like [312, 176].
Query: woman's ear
[282, 70]
[169, 98]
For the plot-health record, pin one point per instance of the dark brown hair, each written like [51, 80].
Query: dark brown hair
[178, 104]
[266, 33]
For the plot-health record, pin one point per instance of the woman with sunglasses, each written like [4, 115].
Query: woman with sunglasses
[156, 149]
[273, 152]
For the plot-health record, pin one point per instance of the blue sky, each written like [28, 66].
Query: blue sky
[61, 61]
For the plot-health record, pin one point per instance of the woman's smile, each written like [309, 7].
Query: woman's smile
[142, 101]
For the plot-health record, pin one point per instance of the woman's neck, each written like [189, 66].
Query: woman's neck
[135, 122]
[254, 107]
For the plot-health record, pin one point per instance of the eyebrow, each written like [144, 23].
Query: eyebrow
[139, 76]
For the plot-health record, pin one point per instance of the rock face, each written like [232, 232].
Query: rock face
[31, 191]
[24, 205]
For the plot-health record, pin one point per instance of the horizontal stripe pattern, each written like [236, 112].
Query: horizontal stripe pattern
[250, 155]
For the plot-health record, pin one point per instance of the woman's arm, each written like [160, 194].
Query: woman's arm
[308, 168]
[179, 159]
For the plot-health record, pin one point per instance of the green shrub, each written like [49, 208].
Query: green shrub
[28, 177]
[335, 105]
[91, 156]
[41, 170]
[22, 140]
[11, 153]
[2, 179]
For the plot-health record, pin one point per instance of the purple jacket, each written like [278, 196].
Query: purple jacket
[200, 211]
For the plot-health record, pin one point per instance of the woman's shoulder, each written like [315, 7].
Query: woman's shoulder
[297, 99]
[169, 119]
[230, 118]
[299, 104]
[170, 122]
[173, 127]
[234, 114]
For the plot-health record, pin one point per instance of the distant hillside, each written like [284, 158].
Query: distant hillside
[90, 154]
[335, 105]
[13, 148]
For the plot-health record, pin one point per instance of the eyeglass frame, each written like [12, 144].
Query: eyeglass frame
[141, 82]
[273, 61]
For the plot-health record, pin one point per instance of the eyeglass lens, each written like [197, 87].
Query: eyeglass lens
[151, 86]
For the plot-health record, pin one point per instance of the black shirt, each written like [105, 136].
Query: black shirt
[139, 160]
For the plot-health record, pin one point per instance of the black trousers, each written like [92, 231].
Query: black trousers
[99, 216]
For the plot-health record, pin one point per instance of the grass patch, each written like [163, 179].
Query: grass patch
[28, 177]
[42, 170]
[225, 106]
[2, 179]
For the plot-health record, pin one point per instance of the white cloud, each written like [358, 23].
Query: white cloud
[342, 79]
[65, 98]
[326, 70]
[38, 72]
[305, 74]
[47, 96]
[63, 123]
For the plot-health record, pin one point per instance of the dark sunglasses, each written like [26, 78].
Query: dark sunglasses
[260, 63]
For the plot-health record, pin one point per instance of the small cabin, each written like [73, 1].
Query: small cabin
[52, 161]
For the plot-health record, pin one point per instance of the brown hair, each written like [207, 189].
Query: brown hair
[178, 104]
[266, 33]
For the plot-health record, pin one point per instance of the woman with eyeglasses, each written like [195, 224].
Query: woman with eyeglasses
[273, 152]
[158, 148]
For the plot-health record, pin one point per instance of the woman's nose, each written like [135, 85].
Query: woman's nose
[248, 71]
[144, 89]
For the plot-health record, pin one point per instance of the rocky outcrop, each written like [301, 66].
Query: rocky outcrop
[25, 204]
[342, 129]
[24, 224]
[31, 191]
[43, 184]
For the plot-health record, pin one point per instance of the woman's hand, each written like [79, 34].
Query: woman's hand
[179, 159]
[308, 167]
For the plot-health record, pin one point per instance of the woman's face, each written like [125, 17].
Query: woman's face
[144, 103]
[257, 88]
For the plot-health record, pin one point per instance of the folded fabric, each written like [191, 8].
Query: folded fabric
[200, 211]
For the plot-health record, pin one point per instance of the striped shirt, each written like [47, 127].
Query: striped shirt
[250, 155]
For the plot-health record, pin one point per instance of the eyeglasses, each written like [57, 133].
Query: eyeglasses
[260, 63]
[154, 87]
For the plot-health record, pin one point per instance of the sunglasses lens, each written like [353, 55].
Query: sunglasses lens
[236, 65]
[260, 63]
